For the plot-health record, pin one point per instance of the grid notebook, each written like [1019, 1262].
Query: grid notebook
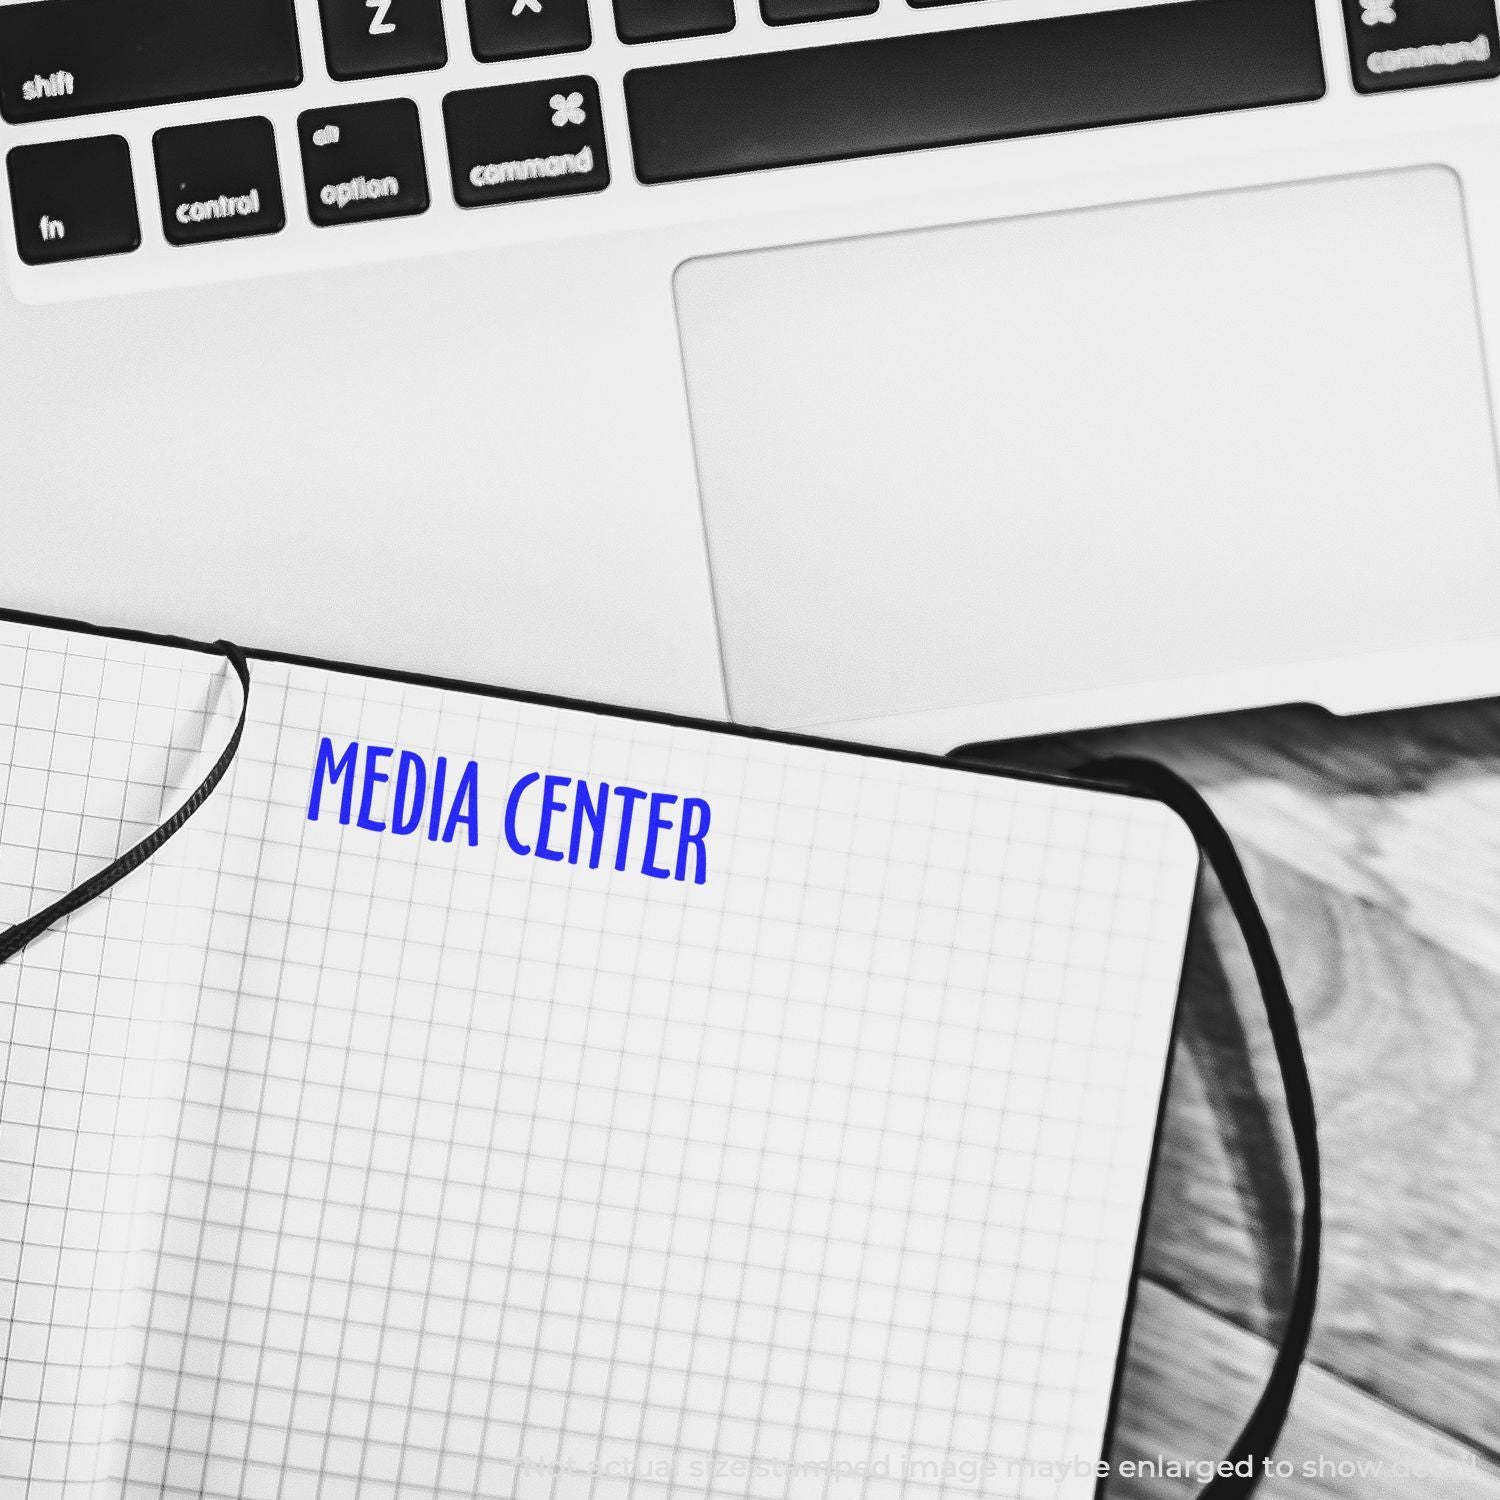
[480, 1098]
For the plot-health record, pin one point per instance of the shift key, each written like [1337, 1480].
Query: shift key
[76, 57]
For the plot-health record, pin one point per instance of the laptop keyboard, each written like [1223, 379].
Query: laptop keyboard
[694, 116]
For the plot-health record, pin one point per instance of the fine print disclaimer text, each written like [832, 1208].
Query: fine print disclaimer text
[672, 1469]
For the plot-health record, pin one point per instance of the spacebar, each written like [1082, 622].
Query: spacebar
[986, 83]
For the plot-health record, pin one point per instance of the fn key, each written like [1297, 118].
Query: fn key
[73, 199]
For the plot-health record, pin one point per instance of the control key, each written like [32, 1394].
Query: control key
[218, 181]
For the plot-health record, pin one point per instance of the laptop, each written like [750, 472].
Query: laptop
[914, 372]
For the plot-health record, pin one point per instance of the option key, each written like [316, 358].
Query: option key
[363, 161]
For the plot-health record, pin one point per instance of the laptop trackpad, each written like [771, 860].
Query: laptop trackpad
[1095, 449]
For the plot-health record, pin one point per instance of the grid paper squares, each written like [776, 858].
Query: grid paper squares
[338, 1163]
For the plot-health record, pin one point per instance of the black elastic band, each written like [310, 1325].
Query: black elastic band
[1258, 1439]
[14, 939]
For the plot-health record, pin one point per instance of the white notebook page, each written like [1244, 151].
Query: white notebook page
[340, 1163]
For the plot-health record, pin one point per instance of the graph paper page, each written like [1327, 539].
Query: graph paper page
[799, 1153]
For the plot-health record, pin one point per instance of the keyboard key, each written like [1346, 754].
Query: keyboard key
[789, 12]
[1407, 44]
[73, 199]
[505, 29]
[946, 88]
[368, 38]
[218, 181]
[665, 20]
[75, 57]
[363, 161]
[525, 140]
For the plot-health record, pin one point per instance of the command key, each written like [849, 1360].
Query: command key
[1407, 44]
[525, 140]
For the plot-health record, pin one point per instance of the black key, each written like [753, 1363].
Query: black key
[504, 29]
[73, 199]
[75, 57]
[218, 181]
[664, 20]
[789, 12]
[363, 161]
[946, 88]
[368, 38]
[525, 140]
[1407, 44]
